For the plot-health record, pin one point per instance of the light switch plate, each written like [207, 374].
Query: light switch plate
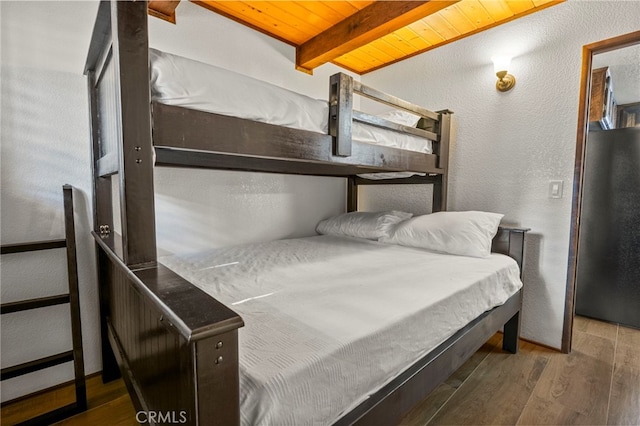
[555, 189]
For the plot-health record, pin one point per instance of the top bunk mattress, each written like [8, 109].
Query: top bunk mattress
[330, 320]
[179, 81]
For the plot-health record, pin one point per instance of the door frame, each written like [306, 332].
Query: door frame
[581, 139]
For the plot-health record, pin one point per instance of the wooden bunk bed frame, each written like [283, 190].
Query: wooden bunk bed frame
[176, 346]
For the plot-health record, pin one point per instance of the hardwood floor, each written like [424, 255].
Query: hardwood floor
[597, 384]
[108, 405]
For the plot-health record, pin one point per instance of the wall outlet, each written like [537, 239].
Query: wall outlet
[555, 189]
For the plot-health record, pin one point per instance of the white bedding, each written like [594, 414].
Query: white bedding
[329, 320]
[185, 82]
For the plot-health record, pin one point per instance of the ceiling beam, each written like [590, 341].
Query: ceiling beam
[163, 9]
[374, 21]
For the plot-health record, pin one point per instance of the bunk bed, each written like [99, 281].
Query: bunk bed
[174, 343]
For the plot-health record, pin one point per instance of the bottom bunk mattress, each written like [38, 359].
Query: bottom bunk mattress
[330, 320]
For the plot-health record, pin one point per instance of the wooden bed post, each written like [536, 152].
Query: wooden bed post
[352, 194]
[340, 113]
[441, 147]
[124, 146]
[131, 47]
[121, 145]
[511, 241]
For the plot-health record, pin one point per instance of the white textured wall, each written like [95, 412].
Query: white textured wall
[509, 145]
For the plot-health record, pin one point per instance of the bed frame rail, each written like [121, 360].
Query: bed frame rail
[342, 114]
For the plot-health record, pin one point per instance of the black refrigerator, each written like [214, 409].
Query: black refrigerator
[608, 280]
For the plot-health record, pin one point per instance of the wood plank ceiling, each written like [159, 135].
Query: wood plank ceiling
[363, 36]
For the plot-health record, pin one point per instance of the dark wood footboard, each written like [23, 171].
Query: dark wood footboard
[176, 347]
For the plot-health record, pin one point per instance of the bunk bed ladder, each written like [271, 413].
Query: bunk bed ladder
[72, 297]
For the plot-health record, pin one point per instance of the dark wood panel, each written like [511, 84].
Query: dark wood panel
[74, 298]
[100, 38]
[38, 364]
[131, 52]
[193, 309]
[340, 113]
[352, 194]
[392, 101]
[186, 129]
[428, 179]
[386, 124]
[441, 148]
[168, 157]
[33, 246]
[102, 203]
[218, 380]
[158, 376]
[183, 307]
[510, 241]
[41, 302]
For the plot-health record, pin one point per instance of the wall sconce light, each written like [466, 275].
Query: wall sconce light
[501, 66]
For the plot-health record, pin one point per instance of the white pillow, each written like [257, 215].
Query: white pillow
[369, 225]
[399, 116]
[463, 233]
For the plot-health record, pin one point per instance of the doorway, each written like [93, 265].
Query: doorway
[610, 118]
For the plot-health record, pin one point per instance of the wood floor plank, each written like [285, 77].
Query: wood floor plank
[429, 406]
[624, 406]
[502, 380]
[595, 327]
[98, 394]
[540, 411]
[629, 336]
[468, 367]
[627, 356]
[594, 346]
[624, 403]
[26, 409]
[574, 388]
[117, 412]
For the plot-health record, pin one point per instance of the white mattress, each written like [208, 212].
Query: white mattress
[329, 320]
[184, 82]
